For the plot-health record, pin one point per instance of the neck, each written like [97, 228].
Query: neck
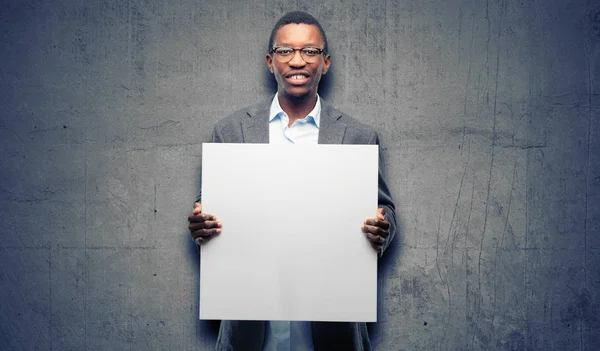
[296, 107]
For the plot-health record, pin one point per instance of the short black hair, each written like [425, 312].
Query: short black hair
[298, 17]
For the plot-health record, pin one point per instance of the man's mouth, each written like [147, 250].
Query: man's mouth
[297, 79]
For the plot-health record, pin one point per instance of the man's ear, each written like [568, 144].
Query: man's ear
[269, 60]
[327, 61]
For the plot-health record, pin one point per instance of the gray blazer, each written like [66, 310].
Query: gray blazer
[251, 125]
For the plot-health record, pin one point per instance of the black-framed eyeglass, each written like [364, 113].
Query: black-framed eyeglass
[284, 54]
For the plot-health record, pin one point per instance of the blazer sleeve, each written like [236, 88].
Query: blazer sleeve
[217, 137]
[384, 197]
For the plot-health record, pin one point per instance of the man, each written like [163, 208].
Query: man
[298, 57]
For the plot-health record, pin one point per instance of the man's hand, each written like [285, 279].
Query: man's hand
[377, 230]
[203, 226]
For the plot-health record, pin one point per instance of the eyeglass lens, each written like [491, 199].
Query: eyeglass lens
[285, 55]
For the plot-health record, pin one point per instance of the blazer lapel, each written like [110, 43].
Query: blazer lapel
[331, 129]
[255, 128]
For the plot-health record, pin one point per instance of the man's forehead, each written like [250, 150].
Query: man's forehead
[309, 33]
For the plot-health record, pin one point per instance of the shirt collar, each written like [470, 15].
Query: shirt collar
[315, 114]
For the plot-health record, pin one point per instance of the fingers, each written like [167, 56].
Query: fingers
[375, 239]
[376, 230]
[195, 226]
[201, 217]
[202, 232]
[375, 222]
[206, 234]
[203, 226]
[380, 229]
[377, 247]
[376, 242]
[202, 239]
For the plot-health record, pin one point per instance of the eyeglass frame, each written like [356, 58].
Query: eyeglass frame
[319, 50]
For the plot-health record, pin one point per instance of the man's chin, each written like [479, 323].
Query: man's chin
[296, 94]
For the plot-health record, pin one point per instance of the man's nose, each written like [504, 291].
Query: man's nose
[297, 60]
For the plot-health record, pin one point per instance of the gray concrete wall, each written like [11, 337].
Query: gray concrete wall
[489, 116]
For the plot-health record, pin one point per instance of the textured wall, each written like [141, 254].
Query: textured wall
[489, 115]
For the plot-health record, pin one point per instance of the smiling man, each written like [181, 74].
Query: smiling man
[297, 56]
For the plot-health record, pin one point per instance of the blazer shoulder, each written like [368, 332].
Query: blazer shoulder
[357, 132]
[231, 124]
[239, 115]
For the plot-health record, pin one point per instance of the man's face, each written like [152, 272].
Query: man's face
[297, 78]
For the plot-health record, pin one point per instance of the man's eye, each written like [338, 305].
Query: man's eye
[283, 51]
[310, 51]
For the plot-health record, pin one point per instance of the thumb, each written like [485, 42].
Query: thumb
[197, 207]
[381, 213]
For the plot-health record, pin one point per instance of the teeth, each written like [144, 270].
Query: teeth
[297, 77]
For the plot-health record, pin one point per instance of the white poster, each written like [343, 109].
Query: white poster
[291, 246]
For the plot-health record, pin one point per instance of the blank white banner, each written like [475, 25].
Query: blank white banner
[291, 247]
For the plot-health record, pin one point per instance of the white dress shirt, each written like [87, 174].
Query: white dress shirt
[303, 131]
[286, 335]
